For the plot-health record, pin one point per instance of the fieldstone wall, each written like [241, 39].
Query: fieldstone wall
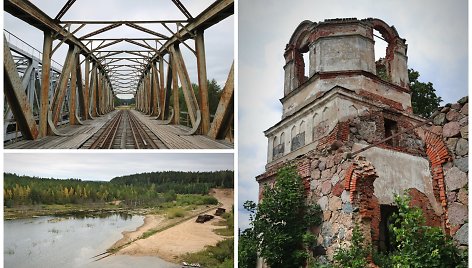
[343, 186]
[452, 124]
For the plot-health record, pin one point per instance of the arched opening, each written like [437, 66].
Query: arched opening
[301, 133]
[380, 52]
[275, 142]
[282, 140]
[293, 138]
[316, 121]
[277, 147]
[302, 127]
[306, 61]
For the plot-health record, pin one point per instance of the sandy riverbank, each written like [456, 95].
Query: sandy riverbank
[185, 237]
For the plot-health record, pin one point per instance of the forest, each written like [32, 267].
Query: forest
[137, 189]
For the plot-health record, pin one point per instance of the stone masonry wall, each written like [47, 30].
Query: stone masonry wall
[343, 186]
[452, 125]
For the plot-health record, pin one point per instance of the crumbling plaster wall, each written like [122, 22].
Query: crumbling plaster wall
[398, 172]
[316, 121]
[371, 87]
[341, 53]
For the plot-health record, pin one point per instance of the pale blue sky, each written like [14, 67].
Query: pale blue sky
[435, 31]
[105, 166]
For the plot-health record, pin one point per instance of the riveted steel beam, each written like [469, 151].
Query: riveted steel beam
[101, 30]
[121, 21]
[64, 9]
[16, 97]
[29, 13]
[140, 28]
[182, 8]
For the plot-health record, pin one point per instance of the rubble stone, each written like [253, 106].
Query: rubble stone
[463, 100]
[451, 129]
[326, 187]
[451, 144]
[451, 197]
[462, 235]
[456, 106]
[323, 202]
[462, 163]
[465, 132]
[334, 203]
[440, 119]
[458, 213]
[455, 179]
[463, 196]
[453, 115]
[465, 109]
[462, 147]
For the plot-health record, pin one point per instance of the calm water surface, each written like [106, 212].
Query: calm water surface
[70, 242]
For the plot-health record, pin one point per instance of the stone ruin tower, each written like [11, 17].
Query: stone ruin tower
[348, 102]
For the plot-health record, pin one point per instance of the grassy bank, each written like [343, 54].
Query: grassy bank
[31, 211]
[174, 209]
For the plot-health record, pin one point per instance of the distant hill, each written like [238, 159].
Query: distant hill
[223, 179]
[155, 187]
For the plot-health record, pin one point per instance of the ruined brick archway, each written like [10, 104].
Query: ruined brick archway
[359, 182]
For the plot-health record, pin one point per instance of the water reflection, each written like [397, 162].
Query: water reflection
[95, 214]
[70, 240]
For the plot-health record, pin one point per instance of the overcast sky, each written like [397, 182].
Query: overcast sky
[219, 41]
[435, 31]
[105, 166]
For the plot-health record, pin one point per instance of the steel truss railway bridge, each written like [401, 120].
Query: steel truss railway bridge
[71, 105]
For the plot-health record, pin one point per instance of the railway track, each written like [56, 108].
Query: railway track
[124, 131]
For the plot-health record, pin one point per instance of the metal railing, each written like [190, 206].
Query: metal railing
[19, 43]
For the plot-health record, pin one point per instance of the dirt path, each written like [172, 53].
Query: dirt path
[186, 237]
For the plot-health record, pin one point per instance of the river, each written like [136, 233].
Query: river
[71, 242]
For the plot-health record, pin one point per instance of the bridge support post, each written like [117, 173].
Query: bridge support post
[190, 99]
[61, 88]
[224, 113]
[73, 91]
[45, 81]
[86, 88]
[80, 89]
[202, 82]
[175, 88]
[162, 88]
[93, 87]
[146, 93]
[154, 93]
[100, 92]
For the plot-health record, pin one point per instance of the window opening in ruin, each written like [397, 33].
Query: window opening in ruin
[391, 127]
[380, 52]
[385, 241]
[278, 147]
[282, 144]
[306, 60]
